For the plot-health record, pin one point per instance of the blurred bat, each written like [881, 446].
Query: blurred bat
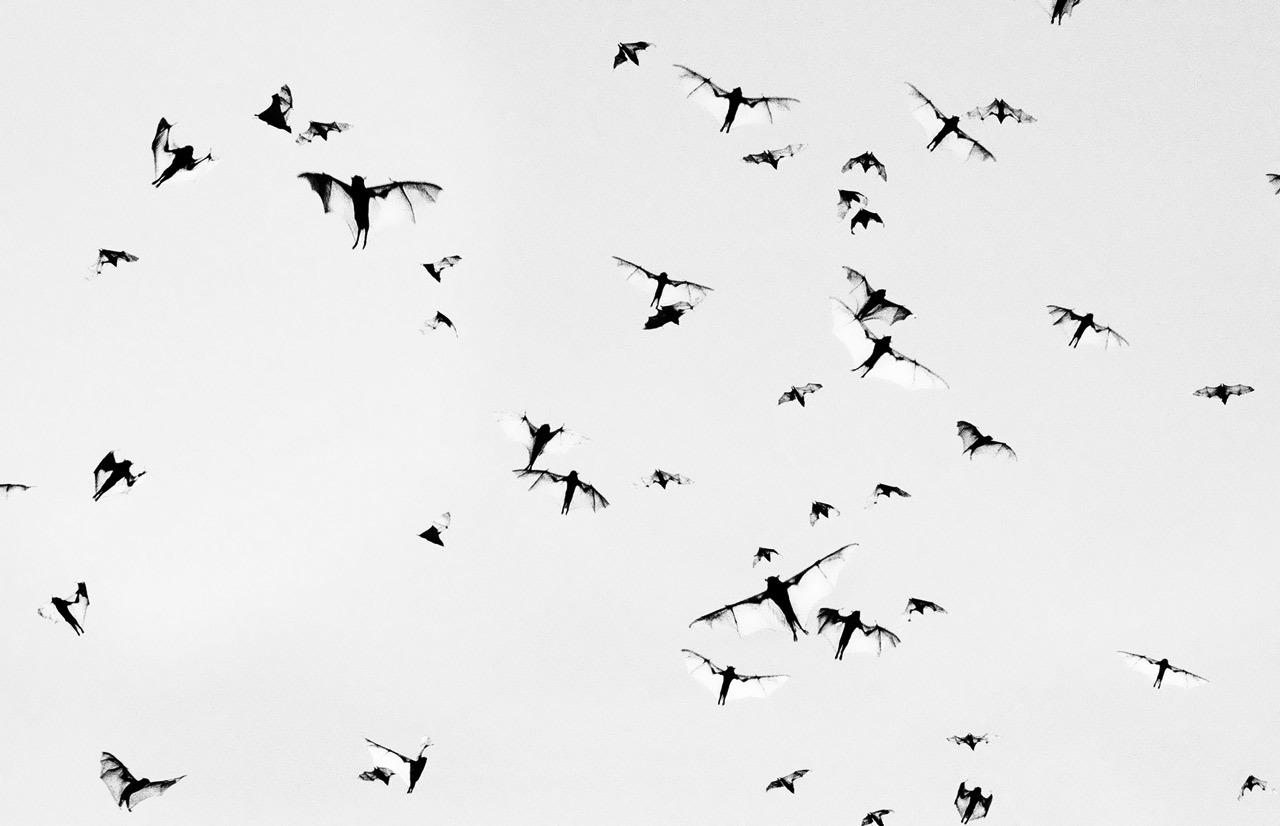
[1251, 783]
[919, 606]
[1161, 668]
[590, 497]
[971, 740]
[435, 322]
[627, 51]
[690, 292]
[886, 491]
[846, 199]
[71, 611]
[868, 161]
[971, 804]
[170, 160]
[9, 487]
[863, 217]
[538, 438]
[735, 99]
[871, 304]
[321, 130]
[362, 206]
[976, 443]
[840, 630]
[661, 478]
[126, 790]
[763, 554]
[112, 258]
[1084, 323]
[819, 510]
[109, 472]
[879, 359]
[787, 782]
[797, 394]
[434, 270]
[951, 133]
[875, 818]
[432, 534]
[1001, 110]
[727, 682]
[772, 156]
[1223, 391]
[668, 314]
[1061, 8]
[277, 114]
[388, 761]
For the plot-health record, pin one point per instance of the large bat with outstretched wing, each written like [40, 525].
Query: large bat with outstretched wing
[878, 358]
[759, 109]
[363, 206]
[127, 790]
[728, 684]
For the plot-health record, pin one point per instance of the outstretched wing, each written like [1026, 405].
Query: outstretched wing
[851, 331]
[704, 91]
[969, 434]
[1109, 336]
[956, 142]
[906, 372]
[887, 311]
[859, 288]
[115, 775]
[160, 153]
[747, 616]
[828, 619]
[923, 108]
[391, 761]
[702, 669]
[761, 110]
[636, 269]
[691, 293]
[399, 200]
[1238, 389]
[154, 788]
[1021, 116]
[996, 450]
[542, 477]
[1141, 662]
[1063, 315]
[758, 686]
[1182, 678]
[874, 638]
[335, 197]
[984, 112]
[816, 581]
[588, 497]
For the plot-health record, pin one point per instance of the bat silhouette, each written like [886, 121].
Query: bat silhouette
[661, 478]
[841, 630]
[112, 258]
[277, 114]
[783, 601]
[432, 534]
[1251, 783]
[971, 740]
[126, 790]
[886, 491]
[627, 51]
[971, 804]
[868, 161]
[321, 130]
[1223, 391]
[951, 133]
[439, 319]
[727, 682]
[978, 444]
[797, 394]
[434, 270]
[787, 782]
[875, 818]
[1061, 8]
[863, 218]
[377, 774]
[387, 761]
[878, 358]
[170, 160]
[763, 554]
[818, 510]
[846, 199]
[538, 438]
[871, 303]
[361, 206]
[9, 487]
[109, 472]
[1161, 668]
[668, 314]
[71, 611]
[772, 156]
[1084, 323]
[690, 292]
[1001, 110]
[591, 497]
[919, 606]
[734, 98]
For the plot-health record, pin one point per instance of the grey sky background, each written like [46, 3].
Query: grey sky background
[260, 600]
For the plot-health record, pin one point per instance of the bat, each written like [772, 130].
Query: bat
[875, 818]
[971, 740]
[868, 161]
[627, 51]
[841, 630]
[277, 114]
[797, 394]
[1061, 8]
[919, 606]
[109, 472]
[976, 443]
[9, 487]
[388, 761]
[783, 601]
[432, 534]
[1161, 668]
[1084, 323]
[362, 206]
[321, 130]
[1001, 110]
[871, 303]
[772, 156]
[971, 804]
[439, 319]
[126, 790]
[1251, 783]
[727, 682]
[170, 160]
[668, 314]
[590, 497]
[112, 258]
[538, 438]
[434, 270]
[950, 133]
[818, 510]
[863, 217]
[71, 611]
[847, 198]
[787, 782]
[661, 478]
[878, 358]
[886, 491]
[688, 291]
[763, 554]
[1223, 391]
[735, 99]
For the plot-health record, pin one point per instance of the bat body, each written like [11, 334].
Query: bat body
[919, 606]
[437, 320]
[170, 160]
[871, 303]
[971, 804]
[109, 472]
[572, 486]
[112, 258]
[797, 394]
[950, 131]
[971, 740]
[434, 270]
[393, 763]
[321, 130]
[888, 492]
[1001, 110]
[277, 114]
[763, 555]
[1162, 669]
[846, 199]
[1061, 8]
[772, 156]
[71, 611]
[820, 510]
[877, 353]
[358, 203]
[689, 292]
[432, 534]
[843, 629]
[126, 790]
[868, 161]
[668, 314]
[538, 438]
[1084, 323]
[661, 478]
[627, 51]
[1251, 783]
[977, 443]
[875, 818]
[863, 218]
[734, 99]
[1223, 391]
[727, 682]
[787, 782]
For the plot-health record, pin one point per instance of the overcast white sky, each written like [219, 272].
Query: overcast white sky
[261, 601]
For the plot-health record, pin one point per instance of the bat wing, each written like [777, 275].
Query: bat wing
[996, 450]
[1063, 315]
[115, 775]
[692, 293]
[966, 146]
[886, 311]
[1109, 336]
[399, 200]
[517, 428]
[704, 91]
[817, 581]
[277, 114]
[859, 288]
[636, 269]
[153, 789]
[748, 616]
[1182, 678]
[1238, 389]
[969, 434]
[758, 157]
[703, 670]
[876, 638]
[981, 806]
[335, 196]
[160, 153]
[321, 130]
[1021, 116]
[1207, 391]
[542, 477]
[830, 626]
[906, 372]
[391, 761]
[563, 441]
[984, 112]
[1141, 662]
[759, 686]
[851, 331]
[761, 110]
[923, 108]
[588, 497]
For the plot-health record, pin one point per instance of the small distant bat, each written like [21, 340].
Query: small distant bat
[847, 198]
[797, 394]
[727, 682]
[109, 472]
[1061, 8]
[361, 206]
[432, 534]
[1161, 668]
[321, 130]
[1251, 783]
[875, 818]
[735, 98]
[112, 258]
[661, 478]
[871, 304]
[971, 804]
[434, 270]
[590, 497]
[627, 51]
[841, 630]
[538, 438]
[763, 555]
[976, 443]
[887, 492]
[820, 510]
[387, 761]
[277, 114]
[71, 611]
[919, 606]
[1084, 323]
[971, 740]
[868, 161]
[863, 218]
[377, 774]
[1223, 391]
[950, 133]
[783, 601]
[126, 790]
[878, 358]
[1001, 110]
[668, 314]
[772, 156]
[690, 292]
[787, 782]
[439, 319]
[170, 160]
[9, 487]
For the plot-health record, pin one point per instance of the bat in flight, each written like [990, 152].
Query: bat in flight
[763, 555]
[971, 740]
[1061, 8]
[109, 472]
[1223, 391]
[1162, 670]
[112, 258]
[9, 487]
[842, 630]
[920, 606]
[126, 790]
[590, 497]
[887, 492]
[538, 438]
[321, 130]
[710, 93]
[977, 443]
[863, 218]
[875, 818]
[878, 358]
[868, 161]
[772, 156]
[727, 682]
[71, 611]
[170, 160]
[661, 478]
[688, 291]
[667, 314]
[435, 322]
[1000, 110]
[1084, 323]
[392, 764]
[797, 394]
[951, 134]
[821, 510]
[627, 51]
[277, 114]
[787, 782]
[361, 206]
[846, 199]
[435, 270]
[871, 303]
[1251, 783]
[783, 601]
[971, 804]
[432, 534]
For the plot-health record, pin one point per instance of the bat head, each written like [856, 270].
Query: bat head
[357, 181]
